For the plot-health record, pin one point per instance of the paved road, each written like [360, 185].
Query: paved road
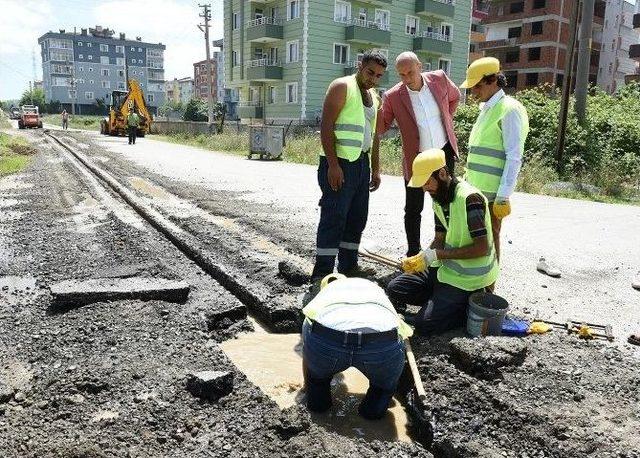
[595, 245]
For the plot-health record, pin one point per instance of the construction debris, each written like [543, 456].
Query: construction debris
[484, 358]
[210, 385]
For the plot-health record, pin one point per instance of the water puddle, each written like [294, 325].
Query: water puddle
[273, 362]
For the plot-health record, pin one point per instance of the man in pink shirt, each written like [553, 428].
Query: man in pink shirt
[422, 105]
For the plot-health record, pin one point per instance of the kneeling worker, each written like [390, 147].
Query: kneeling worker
[461, 258]
[351, 323]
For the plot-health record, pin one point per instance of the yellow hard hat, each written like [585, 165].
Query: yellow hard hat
[480, 68]
[329, 278]
[424, 165]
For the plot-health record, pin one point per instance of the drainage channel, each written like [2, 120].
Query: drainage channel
[253, 353]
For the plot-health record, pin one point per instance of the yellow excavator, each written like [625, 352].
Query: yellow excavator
[122, 103]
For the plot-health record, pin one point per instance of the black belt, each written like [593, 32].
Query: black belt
[353, 337]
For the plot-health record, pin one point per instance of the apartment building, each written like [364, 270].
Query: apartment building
[281, 55]
[225, 95]
[201, 84]
[479, 13]
[634, 49]
[86, 66]
[179, 90]
[618, 35]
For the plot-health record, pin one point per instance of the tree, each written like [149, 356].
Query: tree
[172, 109]
[33, 97]
[196, 110]
[53, 107]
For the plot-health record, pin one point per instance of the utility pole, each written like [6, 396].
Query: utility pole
[74, 92]
[206, 14]
[31, 92]
[584, 58]
[566, 83]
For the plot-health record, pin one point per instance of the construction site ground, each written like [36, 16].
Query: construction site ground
[109, 378]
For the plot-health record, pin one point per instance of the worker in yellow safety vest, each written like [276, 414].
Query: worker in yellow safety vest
[461, 259]
[496, 142]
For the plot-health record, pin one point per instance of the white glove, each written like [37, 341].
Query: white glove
[430, 256]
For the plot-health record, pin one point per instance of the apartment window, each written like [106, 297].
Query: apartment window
[537, 4]
[271, 94]
[362, 14]
[292, 51]
[234, 58]
[532, 79]
[234, 21]
[90, 57]
[105, 72]
[411, 25]
[80, 69]
[512, 56]
[119, 49]
[141, 73]
[446, 30]
[120, 61]
[80, 44]
[534, 54]
[517, 7]
[80, 81]
[88, 45]
[133, 61]
[139, 61]
[536, 28]
[445, 65]
[104, 60]
[80, 56]
[88, 95]
[292, 92]
[342, 11]
[293, 9]
[104, 48]
[106, 84]
[90, 69]
[121, 85]
[340, 53]
[514, 32]
[135, 72]
[383, 18]
[559, 80]
[91, 81]
[150, 98]
[139, 49]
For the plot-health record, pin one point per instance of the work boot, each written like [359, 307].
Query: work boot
[636, 282]
[547, 269]
[360, 272]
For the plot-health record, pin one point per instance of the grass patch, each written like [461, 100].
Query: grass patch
[86, 122]
[14, 154]
[4, 121]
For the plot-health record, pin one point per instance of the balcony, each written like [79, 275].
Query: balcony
[368, 32]
[432, 42]
[502, 43]
[438, 8]
[250, 110]
[636, 21]
[634, 52]
[264, 70]
[352, 67]
[264, 30]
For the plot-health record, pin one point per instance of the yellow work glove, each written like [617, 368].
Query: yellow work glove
[539, 327]
[419, 262]
[501, 208]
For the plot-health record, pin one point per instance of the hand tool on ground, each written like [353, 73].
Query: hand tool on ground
[583, 329]
[416, 400]
[387, 261]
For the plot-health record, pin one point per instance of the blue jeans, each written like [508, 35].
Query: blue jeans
[444, 307]
[381, 362]
[343, 216]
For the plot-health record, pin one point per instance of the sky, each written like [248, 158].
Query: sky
[172, 22]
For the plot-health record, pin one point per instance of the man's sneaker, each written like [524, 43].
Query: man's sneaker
[361, 272]
[547, 269]
[636, 282]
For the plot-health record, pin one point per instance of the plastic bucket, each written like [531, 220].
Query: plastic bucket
[485, 314]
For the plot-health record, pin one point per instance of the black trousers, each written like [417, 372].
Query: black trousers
[133, 132]
[414, 204]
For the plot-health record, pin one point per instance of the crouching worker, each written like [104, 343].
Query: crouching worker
[461, 259]
[351, 323]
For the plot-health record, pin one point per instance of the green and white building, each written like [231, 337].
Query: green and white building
[282, 54]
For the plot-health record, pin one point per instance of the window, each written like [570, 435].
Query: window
[234, 58]
[271, 94]
[80, 69]
[292, 92]
[133, 61]
[141, 73]
[80, 81]
[139, 61]
[88, 95]
[512, 56]
[90, 57]
[119, 49]
[293, 9]
[72, 94]
[534, 54]
[292, 51]
[383, 18]
[234, 21]
[559, 80]
[514, 32]
[532, 79]
[80, 56]
[90, 69]
[258, 13]
[340, 53]
[88, 45]
[536, 28]
[120, 61]
[342, 11]
[411, 25]
[139, 49]
[539, 4]
[133, 49]
[91, 81]
[135, 72]
[105, 72]
[446, 30]
[362, 14]
[121, 85]
[106, 84]
[150, 97]
[104, 48]
[445, 65]
[80, 44]
[104, 60]
[273, 55]
[517, 7]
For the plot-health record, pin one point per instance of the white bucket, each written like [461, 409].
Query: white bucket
[485, 314]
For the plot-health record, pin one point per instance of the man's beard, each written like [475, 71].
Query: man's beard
[442, 194]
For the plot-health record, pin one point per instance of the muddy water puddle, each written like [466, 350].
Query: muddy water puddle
[273, 362]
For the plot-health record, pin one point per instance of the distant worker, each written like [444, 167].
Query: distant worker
[461, 259]
[496, 142]
[422, 104]
[345, 175]
[65, 119]
[133, 121]
[351, 323]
